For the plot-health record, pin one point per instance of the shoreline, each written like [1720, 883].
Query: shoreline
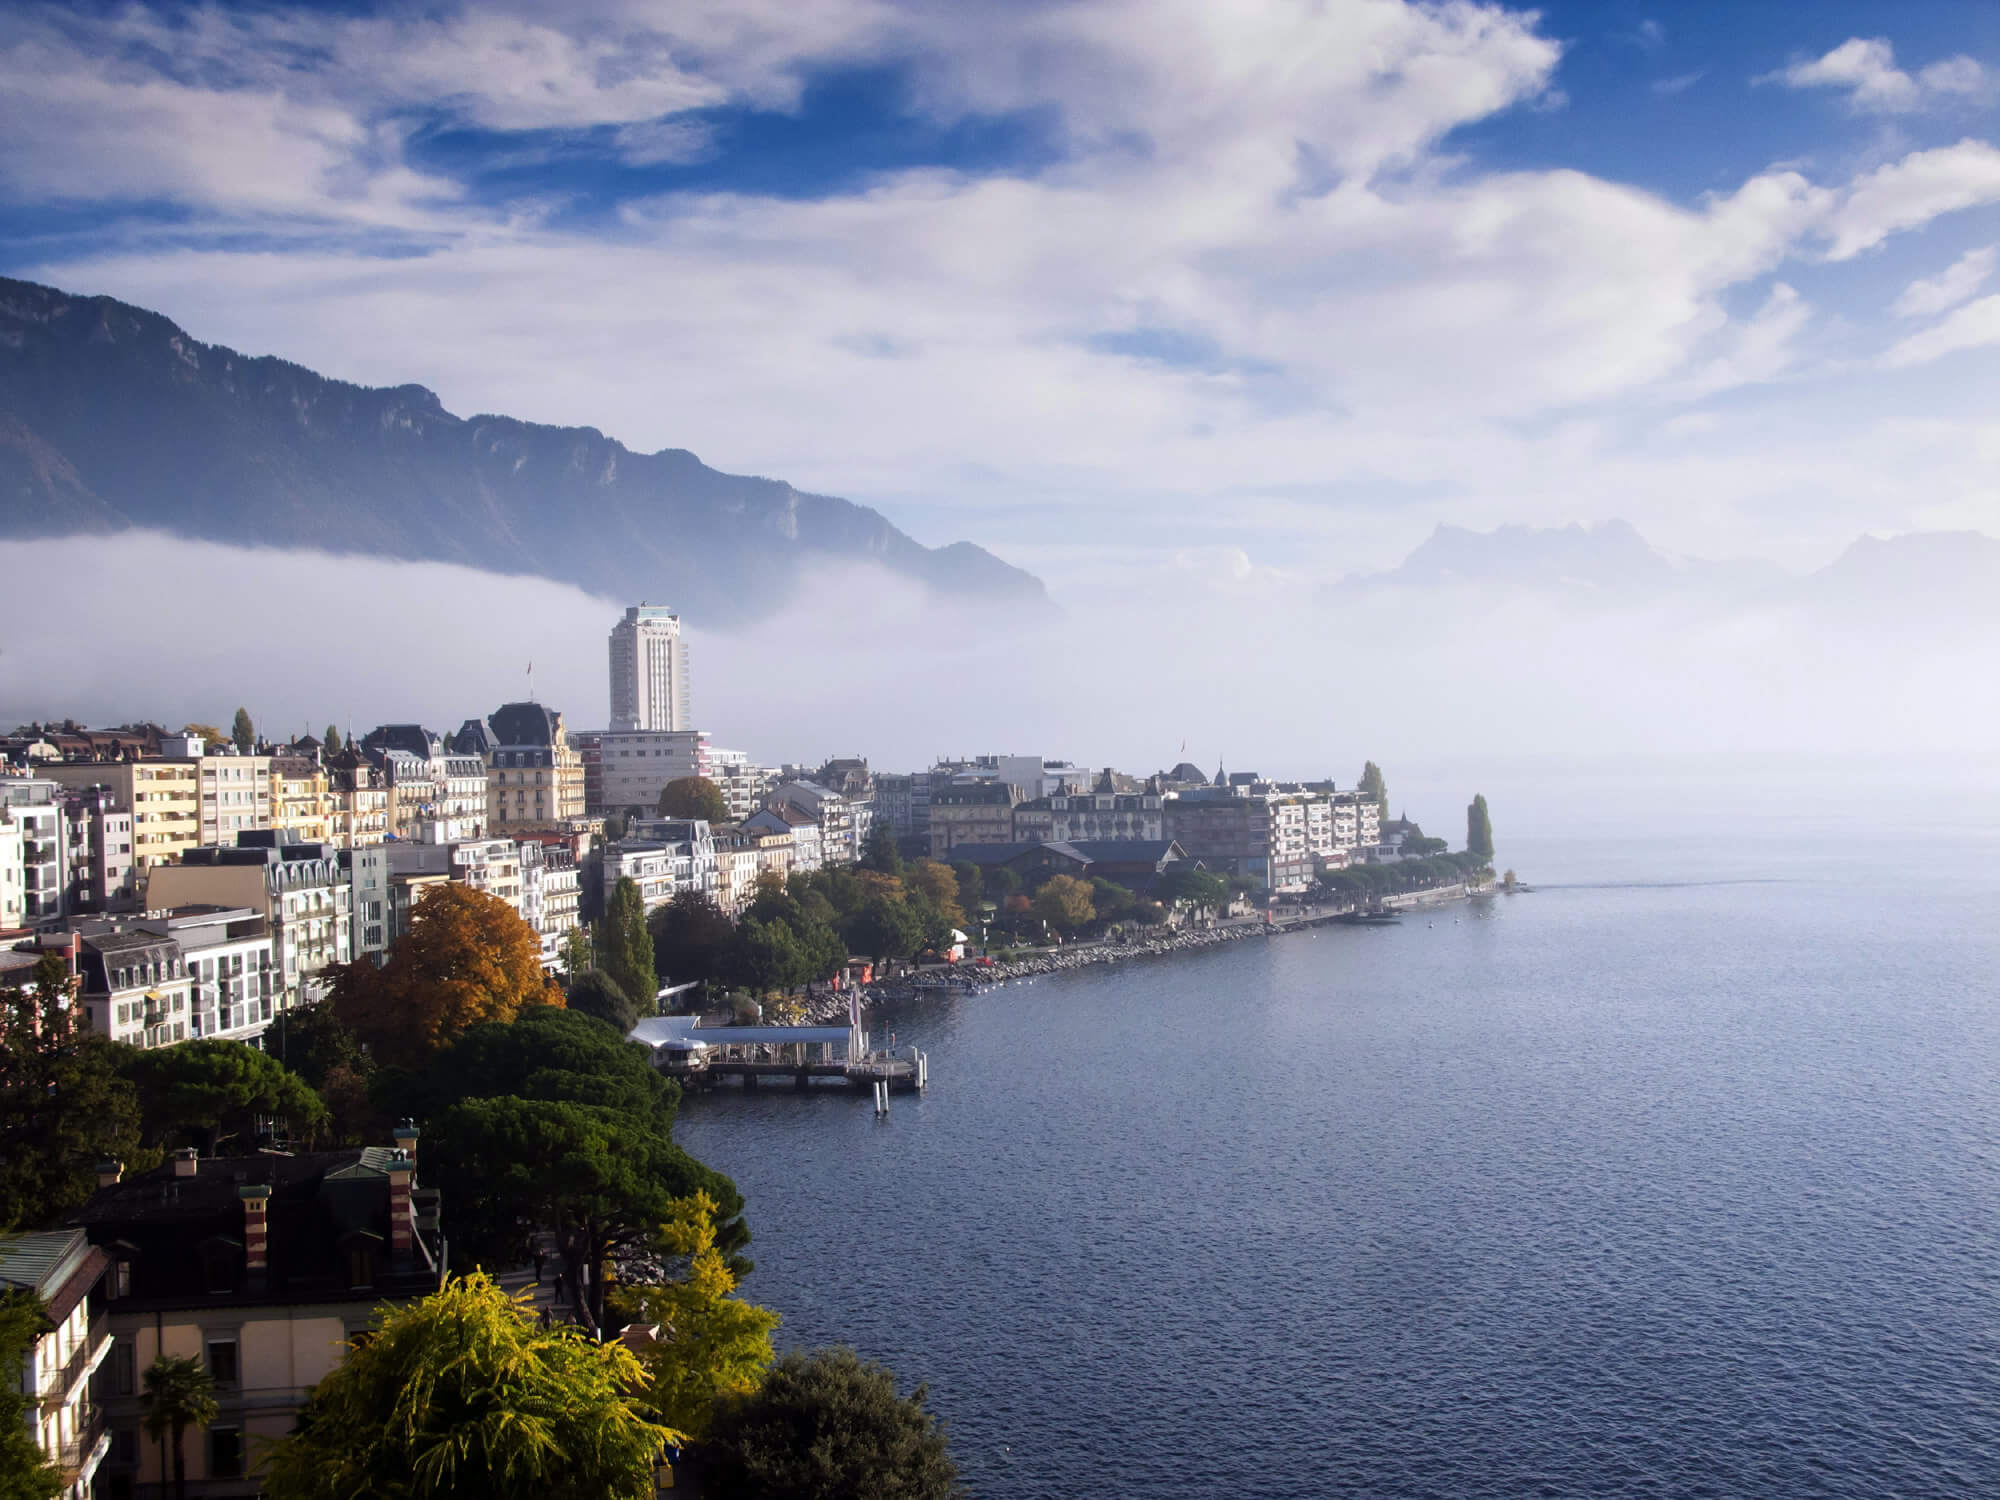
[1061, 961]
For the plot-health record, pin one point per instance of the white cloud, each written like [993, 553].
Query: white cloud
[1866, 68]
[1973, 326]
[1255, 286]
[1931, 295]
[1911, 192]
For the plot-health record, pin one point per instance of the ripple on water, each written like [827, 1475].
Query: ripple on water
[1672, 1190]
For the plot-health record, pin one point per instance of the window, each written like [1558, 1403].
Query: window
[124, 1360]
[222, 1361]
[225, 1452]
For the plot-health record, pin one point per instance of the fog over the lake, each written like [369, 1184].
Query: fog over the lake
[1249, 666]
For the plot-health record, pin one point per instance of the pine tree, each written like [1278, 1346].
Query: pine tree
[243, 732]
[332, 740]
[1479, 831]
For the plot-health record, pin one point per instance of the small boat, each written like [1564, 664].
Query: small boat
[1369, 918]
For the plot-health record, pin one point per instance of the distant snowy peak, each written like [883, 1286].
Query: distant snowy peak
[1608, 559]
[1929, 573]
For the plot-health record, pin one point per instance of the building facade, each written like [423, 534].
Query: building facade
[234, 793]
[263, 1268]
[67, 1273]
[534, 779]
[98, 872]
[649, 671]
[633, 767]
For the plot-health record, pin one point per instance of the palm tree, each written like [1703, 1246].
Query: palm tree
[179, 1395]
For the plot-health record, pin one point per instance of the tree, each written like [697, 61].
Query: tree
[462, 1394]
[711, 1344]
[24, 1473]
[208, 734]
[1001, 883]
[243, 732]
[1479, 831]
[467, 958]
[1064, 903]
[694, 797]
[575, 952]
[328, 1057]
[625, 948]
[826, 1426]
[210, 1091]
[881, 855]
[599, 1180]
[332, 744]
[971, 885]
[64, 1103]
[937, 884]
[765, 957]
[595, 993]
[178, 1394]
[1198, 888]
[1374, 789]
[691, 937]
[883, 929]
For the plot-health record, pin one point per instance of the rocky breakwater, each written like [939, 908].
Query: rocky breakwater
[1061, 960]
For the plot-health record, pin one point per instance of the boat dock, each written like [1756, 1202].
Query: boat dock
[702, 1057]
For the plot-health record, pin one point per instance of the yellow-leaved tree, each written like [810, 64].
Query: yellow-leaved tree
[463, 1394]
[710, 1343]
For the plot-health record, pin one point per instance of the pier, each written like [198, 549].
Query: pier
[701, 1057]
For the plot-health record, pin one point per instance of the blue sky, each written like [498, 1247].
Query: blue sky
[1139, 293]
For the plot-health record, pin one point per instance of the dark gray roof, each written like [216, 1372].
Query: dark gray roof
[524, 724]
[40, 1262]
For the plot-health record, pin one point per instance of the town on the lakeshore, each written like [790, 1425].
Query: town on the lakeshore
[338, 914]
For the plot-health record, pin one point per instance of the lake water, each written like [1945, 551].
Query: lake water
[1680, 1176]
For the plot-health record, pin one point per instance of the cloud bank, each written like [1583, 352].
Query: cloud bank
[1248, 665]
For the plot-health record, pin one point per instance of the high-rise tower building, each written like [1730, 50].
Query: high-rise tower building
[649, 670]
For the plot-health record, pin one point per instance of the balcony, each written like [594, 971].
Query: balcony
[79, 1457]
[85, 1358]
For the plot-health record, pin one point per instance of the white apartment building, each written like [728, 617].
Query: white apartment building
[649, 671]
[492, 866]
[634, 767]
[369, 901]
[799, 829]
[63, 1269]
[562, 897]
[227, 955]
[303, 889]
[234, 793]
[135, 987]
[13, 874]
[743, 785]
[35, 807]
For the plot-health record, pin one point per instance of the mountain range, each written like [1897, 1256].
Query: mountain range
[1938, 575]
[112, 417]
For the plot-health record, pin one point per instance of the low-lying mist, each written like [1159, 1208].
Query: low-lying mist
[1258, 669]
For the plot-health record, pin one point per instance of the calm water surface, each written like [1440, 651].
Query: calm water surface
[1682, 1187]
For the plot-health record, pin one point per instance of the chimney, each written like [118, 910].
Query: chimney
[184, 1162]
[109, 1171]
[402, 1233]
[405, 1137]
[256, 1232]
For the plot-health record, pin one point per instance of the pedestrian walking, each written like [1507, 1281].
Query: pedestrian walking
[541, 1256]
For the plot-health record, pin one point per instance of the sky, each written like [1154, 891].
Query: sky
[1174, 303]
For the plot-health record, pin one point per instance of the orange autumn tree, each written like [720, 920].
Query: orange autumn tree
[466, 959]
